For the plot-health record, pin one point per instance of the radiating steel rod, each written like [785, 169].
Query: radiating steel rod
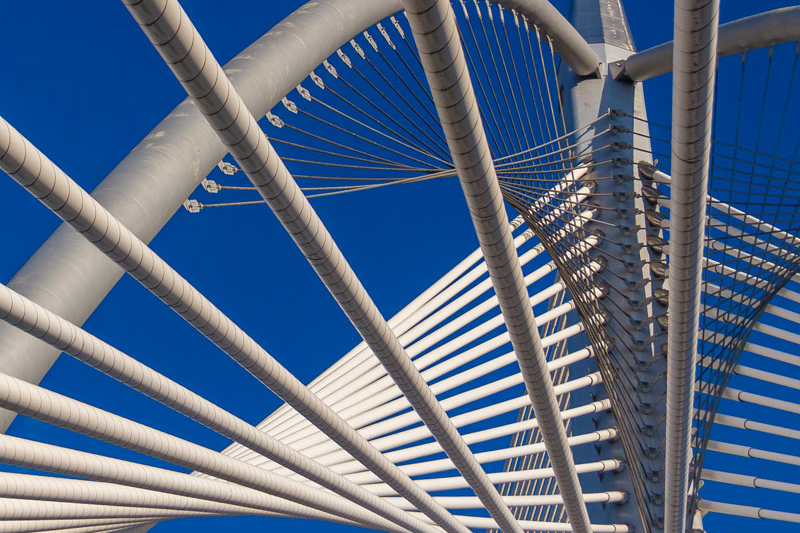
[434, 26]
[58, 460]
[41, 323]
[29, 167]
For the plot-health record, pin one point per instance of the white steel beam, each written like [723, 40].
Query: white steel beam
[400, 323]
[744, 423]
[749, 451]
[478, 522]
[762, 375]
[568, 43]
[758, 399]
[451, 483]
[747, 511]
[101, 527]
[338, 381]
[750, 33]
[19, 509]
[58, 460]
[69, 525]
[422, 450]
[727, 210]
[463, 419]
[57, 489]
[47, 406]
[467, 502]
[151, 182]
[41, 323]
[748, 481]
[388, 400]
[694, 70]
[443, 465]
[436, 34]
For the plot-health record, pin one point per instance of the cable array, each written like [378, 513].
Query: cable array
[751, 251]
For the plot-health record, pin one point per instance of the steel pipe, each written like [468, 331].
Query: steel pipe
[750, 33]
[53, 408]
[29, 167]
[58, 460]
[400, 323]
[19, 509]
[758, 399]
[748, 481]
[744, 423]
[694, 70]
[442, 55]
[467, 502]
[69, 525]
[451, 483]
[749, 451]
[416, 434]
[56, 489]
[747, 511]
[570, 45]
[43, 324]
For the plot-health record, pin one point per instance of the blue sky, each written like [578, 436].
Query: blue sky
[85, 86]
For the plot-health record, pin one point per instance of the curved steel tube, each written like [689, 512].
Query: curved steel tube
[442, 55]
[53, 408]
[570, 45]
[694, 70]
[67, 276]
[750, 33]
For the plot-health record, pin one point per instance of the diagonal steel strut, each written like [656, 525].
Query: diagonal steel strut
[442, 55]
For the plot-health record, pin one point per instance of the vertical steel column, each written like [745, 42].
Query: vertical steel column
[634, 362]
[694, 64]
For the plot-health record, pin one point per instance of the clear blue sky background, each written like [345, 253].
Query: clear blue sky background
[82, 82]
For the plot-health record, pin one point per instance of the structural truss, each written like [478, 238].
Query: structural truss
[618, 354]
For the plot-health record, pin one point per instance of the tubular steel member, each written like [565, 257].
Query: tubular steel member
[62, 411]
[694, 69]
[629, 344]
[174, 36]
[58, 460]
[67, 276]
[65, 491]
[435, 32]
[568, 43]
[750, 33]
[41, 323]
